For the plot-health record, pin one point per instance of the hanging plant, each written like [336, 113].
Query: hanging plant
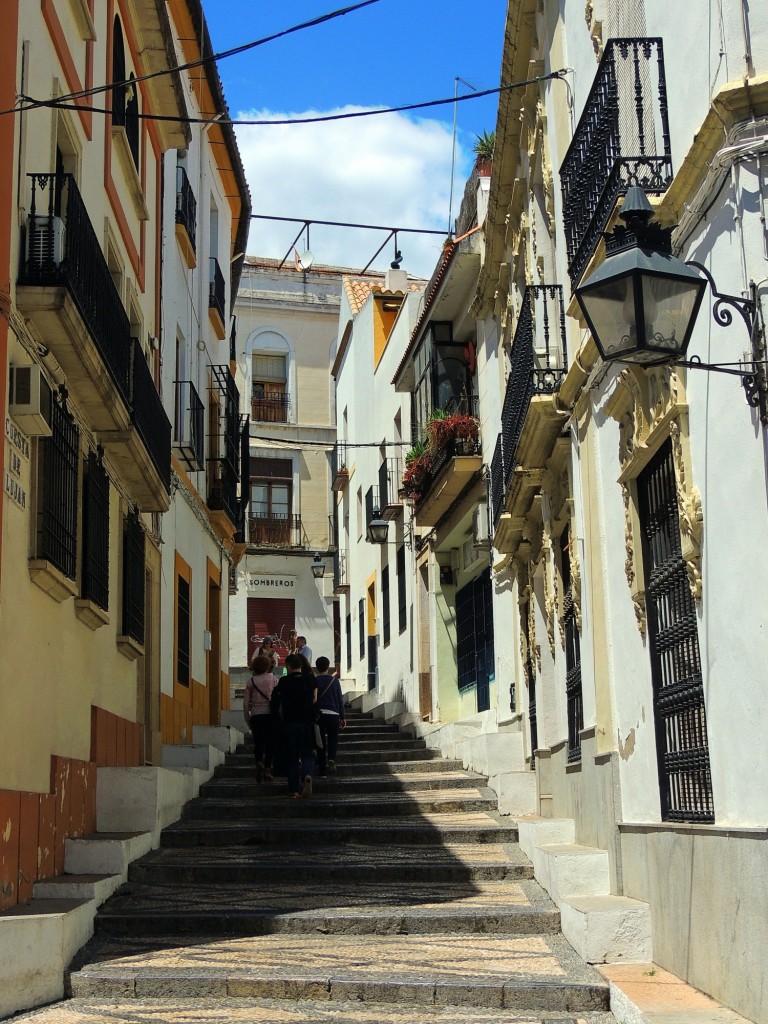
[442, 432]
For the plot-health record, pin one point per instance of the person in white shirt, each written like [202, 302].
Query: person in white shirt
[301, 644]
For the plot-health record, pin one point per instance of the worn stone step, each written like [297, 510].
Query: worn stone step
[386, 805]
[356, 756]
[273, 1011]
[432, 829]
[243, 767]
[451, 862]
[245, 786]
[499, 907]
[498, 972]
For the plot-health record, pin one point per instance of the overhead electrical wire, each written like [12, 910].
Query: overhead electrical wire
[211, 58]
[61, 104]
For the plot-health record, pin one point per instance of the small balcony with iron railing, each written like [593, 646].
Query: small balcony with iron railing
[339, 466]
[217, 299]
[622, 139]
[341, 583]
[275, 530]
[531, 419]
[189, 425]
[270, 406]
[390, 484]
[186, 218]
[65, 289]
[225, 443]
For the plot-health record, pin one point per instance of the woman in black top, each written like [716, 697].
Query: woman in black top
[296, 693]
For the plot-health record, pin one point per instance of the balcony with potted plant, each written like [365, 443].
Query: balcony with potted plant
[438, 468]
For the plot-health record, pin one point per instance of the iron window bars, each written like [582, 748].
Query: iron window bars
[95, 557]
[57, 509]
[186, 205]
[133, 577]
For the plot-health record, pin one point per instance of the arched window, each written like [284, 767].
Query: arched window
[132, 118]
[118, 74]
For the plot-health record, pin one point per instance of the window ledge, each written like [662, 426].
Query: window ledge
[82, 16]
[120, 141]
[50, 579]
[90, 613]
[130, 648]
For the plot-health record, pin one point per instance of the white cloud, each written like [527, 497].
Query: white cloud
[384, 170]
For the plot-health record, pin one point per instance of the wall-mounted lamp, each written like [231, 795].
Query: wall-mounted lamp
[318, 567]
[641, 303]
[377, 531]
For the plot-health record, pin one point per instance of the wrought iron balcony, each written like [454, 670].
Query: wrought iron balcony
[189, 425]
[275, 531]
[149, 416]
[270, 407]
[622, 139]
[217, 299]
[339, 466]
[233, 340]
[390, 482]
[451, 469]
[340, 573]
[62, 250]
[225, 444]
[186, 208]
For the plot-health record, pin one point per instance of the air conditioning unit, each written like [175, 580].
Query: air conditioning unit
[30, 401]
[480, 526]
[45, 241]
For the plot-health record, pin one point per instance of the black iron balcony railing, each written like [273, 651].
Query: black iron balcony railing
[339, 466]
[133, 577]
[372, 502]
[245, 487]
[224, 430]
[186, 205]
[275, 530]
[149, 416]
[538, 362]
[222, 489]
[340, 572]
[95, 585]
[270, 407]
[62, 250]
[189, 424]
[217, 293]
[233, 340]
[390, 482]
[622, 139]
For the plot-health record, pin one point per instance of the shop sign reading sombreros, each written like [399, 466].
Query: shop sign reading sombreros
[276, 586]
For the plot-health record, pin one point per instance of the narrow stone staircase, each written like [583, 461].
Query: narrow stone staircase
[395, 893]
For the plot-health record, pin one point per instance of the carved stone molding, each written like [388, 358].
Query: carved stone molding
[649, 407]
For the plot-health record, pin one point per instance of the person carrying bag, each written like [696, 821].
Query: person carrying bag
[330, 717]
[257, 713]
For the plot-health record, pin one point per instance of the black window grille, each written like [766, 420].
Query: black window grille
[182, 631]
[348, 626]
[474, 637]
[402, 603]
[96, 532]
[57, 510]
[186, 208]
[573, 693]
[361, 626]
[682, 746]
[385, 605]
[133, 577]
[132, 119]
[224, 443]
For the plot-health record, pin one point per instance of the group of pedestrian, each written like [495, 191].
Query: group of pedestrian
[295, 718]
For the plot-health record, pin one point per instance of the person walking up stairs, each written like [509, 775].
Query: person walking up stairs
[396, 894]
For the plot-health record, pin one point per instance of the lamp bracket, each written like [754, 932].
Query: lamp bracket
[750, 374]
[747, 308]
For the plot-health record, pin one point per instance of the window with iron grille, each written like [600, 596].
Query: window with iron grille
[57, 483]
[385, 604]
[402, 605]
[682, 746]
[348, 628]
[574, 699]
[474, 637]
[361, 627]
[133, 577]
[96, 532]
[182, 630]
[530, 676]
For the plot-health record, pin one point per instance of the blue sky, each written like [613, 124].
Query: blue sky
[390, 169]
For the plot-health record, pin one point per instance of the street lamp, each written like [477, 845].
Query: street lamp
[318, 567]
[641, 303]
[377, 531]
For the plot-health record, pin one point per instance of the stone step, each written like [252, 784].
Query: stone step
[476, 827]
[387, 805]
[451, 862]
[243, 767]
[516, 908]
[355, 756]
[496, 972]
[246, 787]
[273, 1011]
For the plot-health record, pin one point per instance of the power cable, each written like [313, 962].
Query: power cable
[95, 90]
[58, 104]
